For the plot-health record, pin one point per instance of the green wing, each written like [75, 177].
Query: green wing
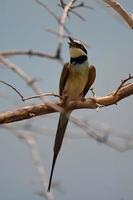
[91, 79]
[63, 78]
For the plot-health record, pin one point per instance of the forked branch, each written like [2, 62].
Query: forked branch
[123, 91]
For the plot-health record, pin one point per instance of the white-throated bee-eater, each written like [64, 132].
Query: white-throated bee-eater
[76, 79]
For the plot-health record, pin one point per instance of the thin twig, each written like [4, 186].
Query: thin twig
[30, 81]
[42, 95]
[31, 97]
[123, 82]
[51, 12]
[21, 96]
[55, 33]
[80, 5]
[75, 13]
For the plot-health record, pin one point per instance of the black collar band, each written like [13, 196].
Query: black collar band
[78, 60]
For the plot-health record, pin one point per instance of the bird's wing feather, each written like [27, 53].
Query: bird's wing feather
[63, 78]
[91, 79]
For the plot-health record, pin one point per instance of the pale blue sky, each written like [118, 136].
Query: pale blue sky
[86, 169]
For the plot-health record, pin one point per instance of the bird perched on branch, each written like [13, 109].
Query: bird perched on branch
[76, 79]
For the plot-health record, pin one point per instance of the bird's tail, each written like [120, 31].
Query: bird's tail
[63, 121]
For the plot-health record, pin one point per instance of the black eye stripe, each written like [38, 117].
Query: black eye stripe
[80, 46]
[84, 50]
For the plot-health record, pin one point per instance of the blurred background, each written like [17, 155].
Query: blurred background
[86, 169]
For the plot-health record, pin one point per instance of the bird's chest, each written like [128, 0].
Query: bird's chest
[76, 82]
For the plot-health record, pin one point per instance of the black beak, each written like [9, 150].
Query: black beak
[71, 42]
[76, 44]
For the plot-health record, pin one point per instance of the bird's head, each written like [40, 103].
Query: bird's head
[76, 48]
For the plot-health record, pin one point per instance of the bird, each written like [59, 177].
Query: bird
[77, 77]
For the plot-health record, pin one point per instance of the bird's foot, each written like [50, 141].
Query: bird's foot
[93, 92]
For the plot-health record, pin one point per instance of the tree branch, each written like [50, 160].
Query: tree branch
[128, 17]
[90, 103]
[21, 73]
[27, 53]
[30, 82]
[31, 140]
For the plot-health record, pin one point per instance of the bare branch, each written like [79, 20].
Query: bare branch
[25, 113]
[30, 97]
[55, 33]
[31, 141]
[42, 95]
[80, 5]
[78, 15]
[27, 53]
[62, 22]
[120, 140]
[21, 96]
[30, 81]
[51, 12]
[90, 103]
[123, 82]
[128, 17]
[73, 11]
